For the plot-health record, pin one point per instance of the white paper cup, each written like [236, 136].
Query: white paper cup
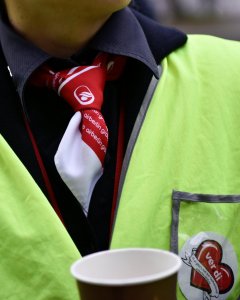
[127, 274]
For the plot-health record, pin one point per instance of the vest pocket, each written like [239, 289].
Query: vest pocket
[205, 233]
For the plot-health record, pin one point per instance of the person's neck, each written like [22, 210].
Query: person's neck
[60, 34]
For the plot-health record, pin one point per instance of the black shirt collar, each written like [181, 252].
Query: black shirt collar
[127, 33]
[21, 56]
[122, 35]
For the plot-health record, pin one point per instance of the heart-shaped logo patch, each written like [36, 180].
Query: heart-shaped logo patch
[210, 267]
[209, 254]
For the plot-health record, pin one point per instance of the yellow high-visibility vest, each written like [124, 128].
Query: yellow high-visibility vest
[35, 250]
[181, 183]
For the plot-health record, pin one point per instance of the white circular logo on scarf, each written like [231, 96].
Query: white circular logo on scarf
[209, 267]
[83, 95]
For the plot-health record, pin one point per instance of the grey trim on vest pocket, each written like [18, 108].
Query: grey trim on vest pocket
[178, 197]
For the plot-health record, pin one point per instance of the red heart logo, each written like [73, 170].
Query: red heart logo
[209, 254]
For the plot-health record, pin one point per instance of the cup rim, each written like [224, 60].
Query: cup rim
[130, 281]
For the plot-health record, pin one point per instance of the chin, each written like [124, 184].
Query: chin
[119, 4]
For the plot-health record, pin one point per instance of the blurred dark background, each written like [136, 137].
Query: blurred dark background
[217, 17]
